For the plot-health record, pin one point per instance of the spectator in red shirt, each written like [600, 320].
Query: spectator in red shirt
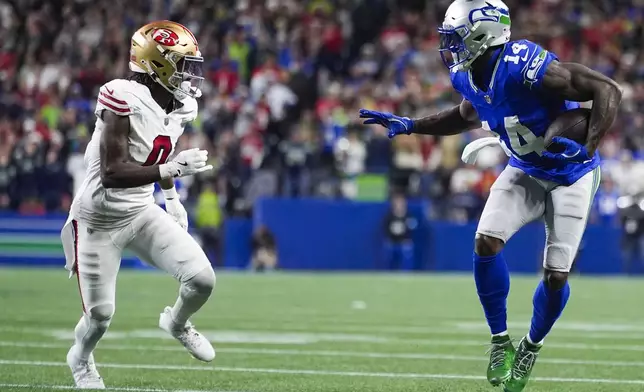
[226, 77]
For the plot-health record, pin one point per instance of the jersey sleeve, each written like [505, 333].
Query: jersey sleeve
[113, 97]
[529, 63]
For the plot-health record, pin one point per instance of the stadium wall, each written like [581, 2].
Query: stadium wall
[330, 235]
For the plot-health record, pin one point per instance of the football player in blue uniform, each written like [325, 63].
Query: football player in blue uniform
[516, 90]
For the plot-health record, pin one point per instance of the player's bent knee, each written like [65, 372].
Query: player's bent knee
[487, 246]
[204, 282]
[102, 314]
[555, 280]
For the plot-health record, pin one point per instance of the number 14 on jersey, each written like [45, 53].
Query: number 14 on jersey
[522, 140]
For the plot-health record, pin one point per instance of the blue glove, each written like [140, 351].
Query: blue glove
[396, 125]
[571, 151]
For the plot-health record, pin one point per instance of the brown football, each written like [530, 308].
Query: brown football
[572, 125]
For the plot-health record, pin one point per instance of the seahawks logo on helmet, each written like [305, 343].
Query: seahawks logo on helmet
[490, 13]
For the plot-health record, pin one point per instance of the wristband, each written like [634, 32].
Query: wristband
[170, 194]
[409, 125]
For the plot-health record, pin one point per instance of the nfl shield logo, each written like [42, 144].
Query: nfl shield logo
[488, 99]
[166, 121]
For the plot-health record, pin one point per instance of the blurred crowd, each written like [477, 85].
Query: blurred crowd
[284, 82]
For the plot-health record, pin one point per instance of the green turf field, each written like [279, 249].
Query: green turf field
[295, 333]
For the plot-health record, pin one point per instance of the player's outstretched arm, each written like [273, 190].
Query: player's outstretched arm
[459, 119]
[575, 82]
[453, 121]
[117, 171]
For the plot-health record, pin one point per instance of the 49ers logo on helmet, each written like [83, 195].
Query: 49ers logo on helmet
[165, 37]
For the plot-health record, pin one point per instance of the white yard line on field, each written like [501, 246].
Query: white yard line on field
[122, 389]
[320, 372]
[382, 333]
[326, 353]
[387, 332]
[302, 338]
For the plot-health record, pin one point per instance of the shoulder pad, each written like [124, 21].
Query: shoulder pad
[527, 61]
[116, 96]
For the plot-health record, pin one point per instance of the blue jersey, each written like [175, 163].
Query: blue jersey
[519, 112]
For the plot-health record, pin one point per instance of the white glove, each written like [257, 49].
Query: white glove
[174, 208]
[186, 163]
[471, 151]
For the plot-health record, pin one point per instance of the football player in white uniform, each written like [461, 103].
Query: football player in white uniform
[138, 123]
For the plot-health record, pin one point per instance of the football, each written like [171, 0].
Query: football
[572, 125]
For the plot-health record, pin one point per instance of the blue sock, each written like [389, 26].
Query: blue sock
[493, 286]
[548, 306]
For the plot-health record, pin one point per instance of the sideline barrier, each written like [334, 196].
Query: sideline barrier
[330, 235]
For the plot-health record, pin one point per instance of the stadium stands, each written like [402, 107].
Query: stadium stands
[284, 81]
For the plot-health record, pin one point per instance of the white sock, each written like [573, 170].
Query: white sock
[533, 343]
[504, 333]
[79, 332]
[193, 294]
[87, 334]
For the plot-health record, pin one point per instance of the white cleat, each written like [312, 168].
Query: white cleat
[197, 344]
[84, 372]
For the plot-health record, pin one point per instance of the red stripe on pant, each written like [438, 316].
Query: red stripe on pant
[80, 292]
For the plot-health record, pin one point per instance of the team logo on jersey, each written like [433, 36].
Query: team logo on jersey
[165, 37]
[534, 67]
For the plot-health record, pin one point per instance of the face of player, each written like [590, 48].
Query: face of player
[451, 47]
[189, 76]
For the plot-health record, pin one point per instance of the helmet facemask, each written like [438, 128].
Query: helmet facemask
[460, 47]
[452, 47]
[188, 77]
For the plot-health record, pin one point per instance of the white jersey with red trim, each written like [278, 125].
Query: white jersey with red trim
[153, 135]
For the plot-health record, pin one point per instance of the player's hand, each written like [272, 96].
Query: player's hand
[568, 151]
[186, 163]
[395, 124]
[174, 208]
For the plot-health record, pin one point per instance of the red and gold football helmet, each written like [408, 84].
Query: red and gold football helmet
[169, 53]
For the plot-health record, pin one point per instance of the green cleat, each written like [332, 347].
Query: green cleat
[524, 361]
[501, 359]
